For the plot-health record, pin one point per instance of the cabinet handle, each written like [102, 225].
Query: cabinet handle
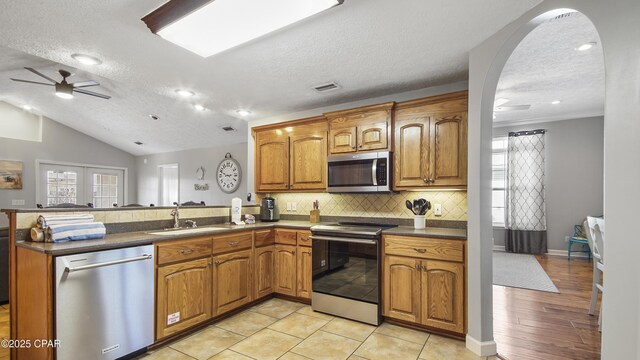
[234, 243]
[426, 181]
[353, 147]
[417, 266]
[360, 146]
[293, 252]
[423, 267]
[210, 262]
[421, 251]
[308, 252]
[431, 181]
[217, 262]
[186, 251]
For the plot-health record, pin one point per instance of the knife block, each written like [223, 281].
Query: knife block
[314, 216]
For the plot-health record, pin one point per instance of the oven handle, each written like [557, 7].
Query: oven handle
[341, 239]
[374, 175]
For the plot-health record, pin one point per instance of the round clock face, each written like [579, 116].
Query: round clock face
[229, 175]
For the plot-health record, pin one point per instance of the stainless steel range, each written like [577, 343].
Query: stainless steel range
[346, 270]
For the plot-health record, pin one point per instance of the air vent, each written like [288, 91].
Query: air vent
[137, 142]
[228, 128]
[326, 87]
[563, 16]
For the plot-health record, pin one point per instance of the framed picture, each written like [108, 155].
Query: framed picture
[10, 174]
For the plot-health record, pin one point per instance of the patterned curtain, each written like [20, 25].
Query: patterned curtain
[526, 223]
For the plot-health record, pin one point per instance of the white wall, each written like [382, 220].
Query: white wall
[573, 174]
[189, 161]
[59, 143]
[409, 95]
[617, 25]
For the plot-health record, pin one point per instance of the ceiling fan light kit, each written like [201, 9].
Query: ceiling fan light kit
[208, 27]
[64, 91]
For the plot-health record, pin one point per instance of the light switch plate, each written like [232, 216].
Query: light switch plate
[288, 206]
[437, 209]
[294, 206]
[18, 202]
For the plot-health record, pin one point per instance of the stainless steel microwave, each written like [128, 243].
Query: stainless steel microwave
[360, 172]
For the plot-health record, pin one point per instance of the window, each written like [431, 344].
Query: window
[77, 184]
[499, 181]
[168, 184]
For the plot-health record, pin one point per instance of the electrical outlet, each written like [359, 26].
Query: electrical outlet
[288, 206]
[17, 202]
[294, 206]
[437, 209]
[323, 262]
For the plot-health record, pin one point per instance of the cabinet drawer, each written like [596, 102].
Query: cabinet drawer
[232, 242]
[287, 237]
[183, 250]
[425, 248]
[265, 237]
[303, 238]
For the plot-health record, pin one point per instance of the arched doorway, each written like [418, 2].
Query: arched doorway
[617, 26]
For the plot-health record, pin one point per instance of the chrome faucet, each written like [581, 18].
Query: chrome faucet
[176, 216]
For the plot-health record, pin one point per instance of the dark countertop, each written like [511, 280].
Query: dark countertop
[112, 241]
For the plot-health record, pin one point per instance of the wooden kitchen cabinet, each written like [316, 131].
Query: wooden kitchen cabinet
[291, 156]
[285, 281]
[183, 296]
[308, 165]
[264, 260]
[304, 272]
[442, 294]
[232, 281]
[271, 161]
[430, 147]
[401, 288]
[366, 128]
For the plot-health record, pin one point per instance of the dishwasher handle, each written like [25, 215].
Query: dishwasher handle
[108, 263]
[343, 239]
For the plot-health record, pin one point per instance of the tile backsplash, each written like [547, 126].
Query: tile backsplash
[454, 204]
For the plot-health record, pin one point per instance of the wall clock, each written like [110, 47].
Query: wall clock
[229, 174]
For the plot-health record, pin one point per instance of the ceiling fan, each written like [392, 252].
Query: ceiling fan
[64, 89]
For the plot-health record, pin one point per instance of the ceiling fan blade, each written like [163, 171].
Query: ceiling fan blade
[82, 84]
[40, 74]
[31, 82]
[87, 92]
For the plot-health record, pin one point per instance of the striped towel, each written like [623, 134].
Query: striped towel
[51, 219]
[75, 231]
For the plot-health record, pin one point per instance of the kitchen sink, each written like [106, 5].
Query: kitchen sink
[185, 231]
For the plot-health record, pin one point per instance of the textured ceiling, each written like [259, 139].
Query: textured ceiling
[369, 47]
[546, 67]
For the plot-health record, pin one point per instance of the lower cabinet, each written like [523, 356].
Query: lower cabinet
[264, 260]
[232, 281]
[304, 272]
[426, 292]
[184, 296]
[285, 266]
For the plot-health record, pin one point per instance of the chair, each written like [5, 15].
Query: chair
[595, 235]
[576, 238]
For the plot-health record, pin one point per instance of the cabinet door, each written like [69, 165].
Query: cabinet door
[183, 296]
[411, 149]
[264, 271]
[231, 281]
[401, 288]
[342, 140]
[304, 272]
[285, 264]
[449, 149]
[272, 162]
[443, 295]
[308, 161]
[372, 136]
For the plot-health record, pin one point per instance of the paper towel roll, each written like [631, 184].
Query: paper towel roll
[236, 210]
[37, 234]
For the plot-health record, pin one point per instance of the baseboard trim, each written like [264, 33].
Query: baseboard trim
[481, 348]
[551, 252]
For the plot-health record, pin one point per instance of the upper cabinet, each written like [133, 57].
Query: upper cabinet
[430, 147]
[362, 129]
[291, 156]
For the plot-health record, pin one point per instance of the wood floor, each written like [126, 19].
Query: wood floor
[532, 324]
[4, 330]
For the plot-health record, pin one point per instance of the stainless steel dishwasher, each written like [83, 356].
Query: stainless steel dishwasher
[104, 303]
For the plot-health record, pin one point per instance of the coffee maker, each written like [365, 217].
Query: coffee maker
[269, 209]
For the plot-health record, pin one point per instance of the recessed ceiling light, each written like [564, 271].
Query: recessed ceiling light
[198, 107]
[242, 112]
[223, 24]
[27, 107]
[555, 102]
[86, 59]
[185, 93]
[586, 46]
[138, 142]
[154, 117]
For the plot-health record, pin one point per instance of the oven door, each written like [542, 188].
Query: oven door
[353, 173]
[350, 269]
